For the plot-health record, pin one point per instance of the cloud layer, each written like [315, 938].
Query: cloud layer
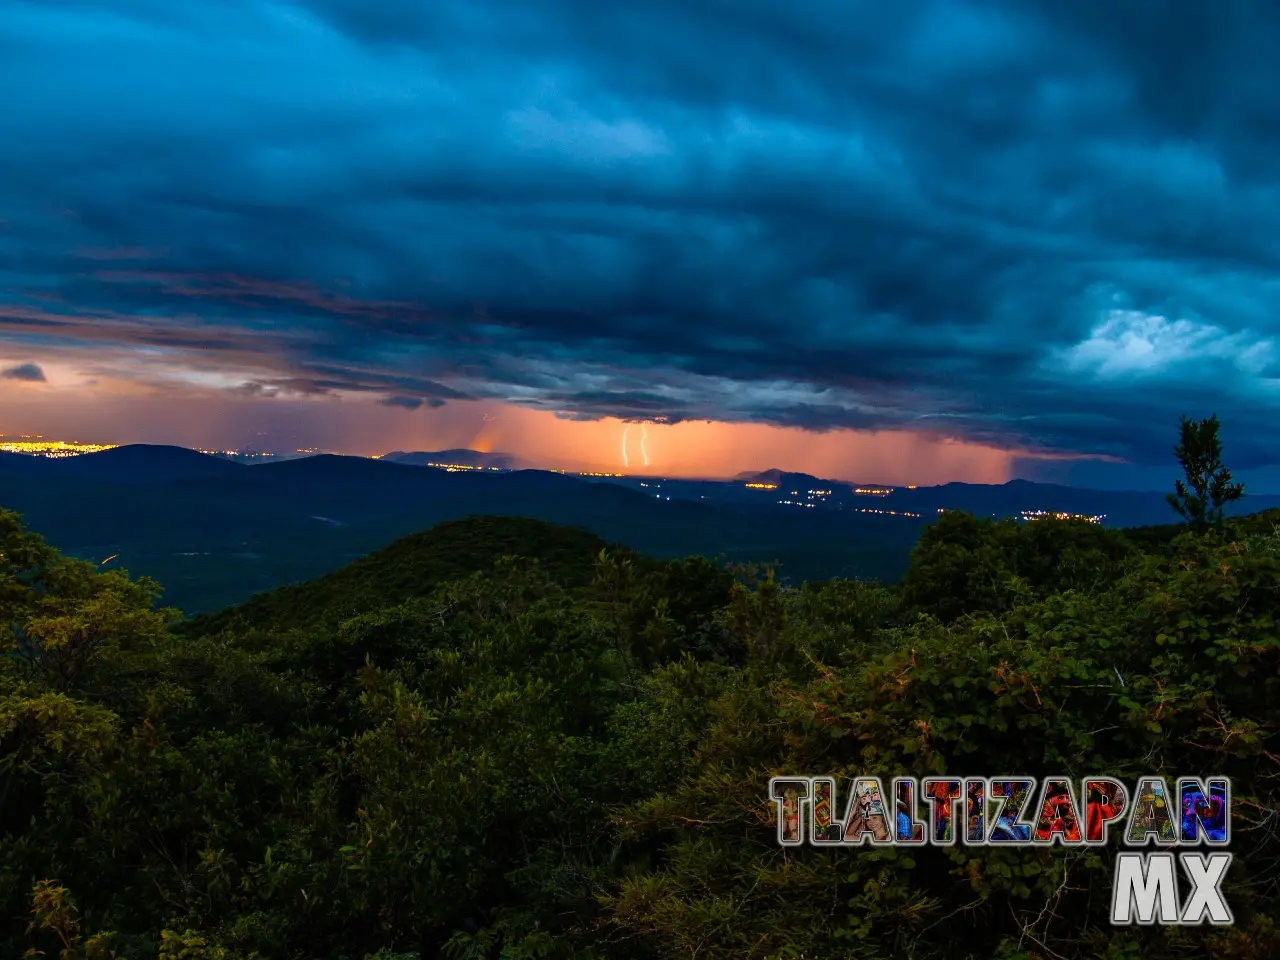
[29, 372]
[1029, 226]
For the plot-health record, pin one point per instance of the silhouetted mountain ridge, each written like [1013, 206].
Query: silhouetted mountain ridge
[199, 473]
[783, 478]
[215, 531]
[132, 463]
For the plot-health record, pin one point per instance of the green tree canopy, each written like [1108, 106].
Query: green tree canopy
[1206, 489]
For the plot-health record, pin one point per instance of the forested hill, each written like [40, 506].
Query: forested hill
[504, 739]
[412, 566]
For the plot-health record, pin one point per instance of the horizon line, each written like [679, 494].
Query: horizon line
[600, 471]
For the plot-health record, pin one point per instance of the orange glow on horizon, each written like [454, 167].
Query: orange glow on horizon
[116, 411]
[702, 449]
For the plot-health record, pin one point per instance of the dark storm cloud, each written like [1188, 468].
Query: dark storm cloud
[1041, 226]
[30, 372]
[408, 403]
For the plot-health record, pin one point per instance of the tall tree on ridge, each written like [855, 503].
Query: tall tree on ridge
[1207, 488]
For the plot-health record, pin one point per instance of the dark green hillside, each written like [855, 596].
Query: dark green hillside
[411, 567]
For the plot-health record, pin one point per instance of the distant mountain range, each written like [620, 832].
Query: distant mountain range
[214, 531]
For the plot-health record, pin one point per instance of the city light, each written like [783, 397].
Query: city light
[37, 446]
[238, 454]
[467, 468]
[1058, 515]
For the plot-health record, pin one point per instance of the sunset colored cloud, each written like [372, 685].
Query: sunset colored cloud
[969, 241]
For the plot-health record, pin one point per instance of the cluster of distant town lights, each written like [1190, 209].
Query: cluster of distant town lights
[36, 445]
[252, 454]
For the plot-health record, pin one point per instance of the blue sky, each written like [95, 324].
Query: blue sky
[1038, 231]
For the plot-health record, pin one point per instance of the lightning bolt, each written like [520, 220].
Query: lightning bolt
[625, 431]
[644, 435]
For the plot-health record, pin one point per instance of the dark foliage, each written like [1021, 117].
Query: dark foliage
[964, 565]
[411, 567]
[1206, 488]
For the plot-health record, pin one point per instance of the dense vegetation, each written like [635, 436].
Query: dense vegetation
[502, 739]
